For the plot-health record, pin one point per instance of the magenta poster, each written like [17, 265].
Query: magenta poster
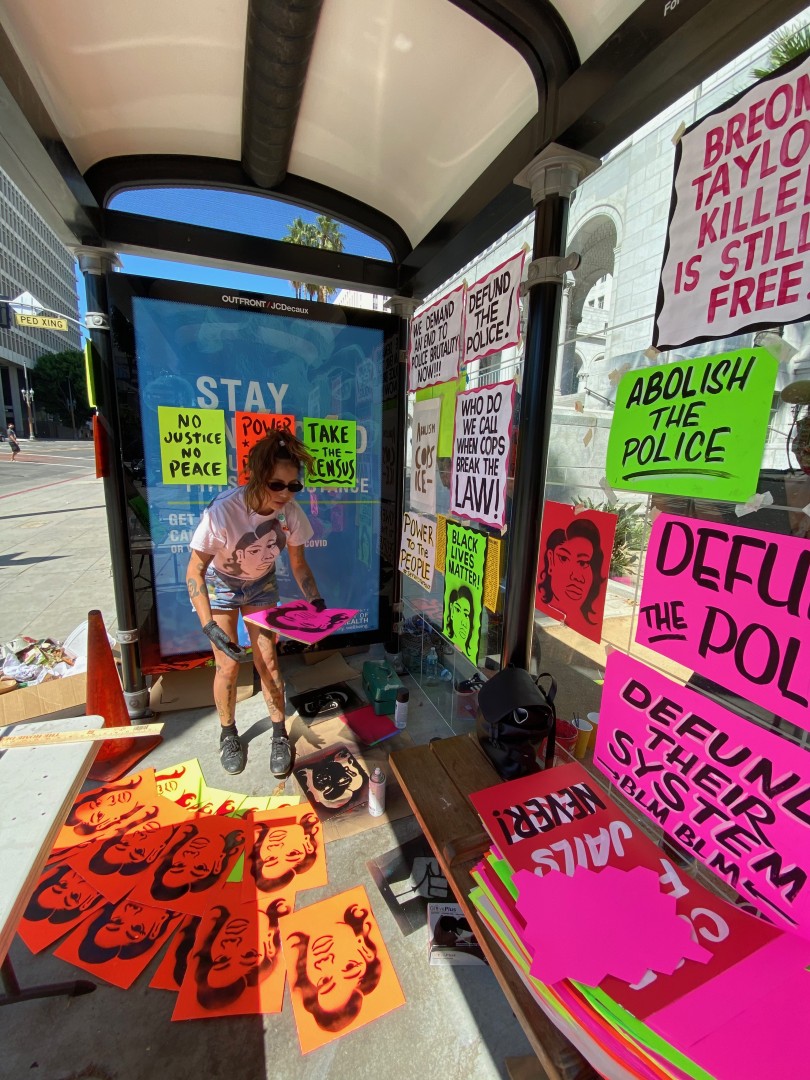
[734, 795]
[732, 604]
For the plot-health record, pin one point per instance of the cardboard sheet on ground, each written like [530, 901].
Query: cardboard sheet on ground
[194, 866]
[340, 973]
[369, 728]
[481, 441]
[731, 604]
[285, 853]
[118, 942]
[464, 588]
[333, 781]
[731, 793]
[572, 570]
[61, 901]
[109, 809]
[425, 429]
[249, 428]
[236, 966]
[332, 669]
[171, 970]
[644, 931]
[113, 866]
[193, 448]
[182, 783]
[695, 428]
[333, 446]
[409, 877]
[300, 621]
[325, 702]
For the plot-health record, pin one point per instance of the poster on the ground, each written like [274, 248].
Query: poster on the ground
[737, 256]
[572, 572]
[731, 604]
[436, 342]
[732, 794]
[695, 428]
[481, 452]
[417, 552]
[492, 310]
[464, 588]
[425, 440]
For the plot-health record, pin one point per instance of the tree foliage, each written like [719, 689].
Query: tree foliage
[785, 45]
[53, 380]
[324, 233]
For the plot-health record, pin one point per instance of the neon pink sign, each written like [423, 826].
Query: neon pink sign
[742, 613]
[734, 795]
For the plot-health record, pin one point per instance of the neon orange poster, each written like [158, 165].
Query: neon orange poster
[235, 967]
[117, 942]
[61, 901]
[340, 973]
[110, 809]
[194, 866]
[112, 866]
[285, 853]
[572, 574]
[171, 970]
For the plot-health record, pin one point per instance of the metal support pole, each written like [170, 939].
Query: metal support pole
[94, 264]
[552, 177]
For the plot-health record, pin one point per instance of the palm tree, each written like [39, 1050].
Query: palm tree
[785, 45]
[325, 234]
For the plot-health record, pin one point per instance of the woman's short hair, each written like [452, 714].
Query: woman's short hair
[328, 1019]
[277, 446]
[310, 823]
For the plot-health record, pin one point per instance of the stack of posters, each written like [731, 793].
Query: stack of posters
[646, 971]
[162, 860]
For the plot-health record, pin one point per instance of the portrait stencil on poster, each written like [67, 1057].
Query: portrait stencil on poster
[737, 251]
[695, 428]
[425, 438]
[732, 604]
[418, 549]
[284, 853]
[492, 310]
[481, 452]
[193, 449]
[249, 428]
[463, 587]
[333, 445]
[333, 781]
[734, 795]
[302, 621]
[435, 346]
[572, 572]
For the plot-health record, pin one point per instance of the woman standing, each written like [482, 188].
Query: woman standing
[12, 441]
[233, 568]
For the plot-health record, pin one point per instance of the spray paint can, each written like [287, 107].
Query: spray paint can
[376, 792]
[401, 710]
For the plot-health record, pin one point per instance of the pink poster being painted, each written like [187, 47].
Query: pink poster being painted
[734, 795]
[572, 572]
[481, 452]
[742, 611]
[302, 621]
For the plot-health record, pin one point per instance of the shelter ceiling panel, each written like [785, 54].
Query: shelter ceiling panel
[406, 103]
[591, 22]
[155, 76]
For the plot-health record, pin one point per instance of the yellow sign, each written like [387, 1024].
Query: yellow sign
[41, 322]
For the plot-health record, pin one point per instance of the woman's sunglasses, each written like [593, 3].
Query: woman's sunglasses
[278, 485]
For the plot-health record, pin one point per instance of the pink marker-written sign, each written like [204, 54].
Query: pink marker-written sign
[742, 613]
[734, 795]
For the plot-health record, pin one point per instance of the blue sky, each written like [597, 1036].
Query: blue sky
[252, 215]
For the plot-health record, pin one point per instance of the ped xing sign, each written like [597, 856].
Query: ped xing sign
[41, 322]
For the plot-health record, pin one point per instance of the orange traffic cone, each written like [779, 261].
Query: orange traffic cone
[106, 698]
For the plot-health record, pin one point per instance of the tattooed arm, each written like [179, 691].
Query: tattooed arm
[302, 573]
[195, 583]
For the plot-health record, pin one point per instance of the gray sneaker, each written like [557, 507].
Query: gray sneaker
[231, 754]
[280, 756]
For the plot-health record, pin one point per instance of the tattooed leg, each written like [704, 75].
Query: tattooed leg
[227, 671]
[266, 662]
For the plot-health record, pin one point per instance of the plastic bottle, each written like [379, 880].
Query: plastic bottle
[401, 710]
[445, 674]
[432, 666]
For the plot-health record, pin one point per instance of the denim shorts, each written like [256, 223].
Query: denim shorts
[230, 594]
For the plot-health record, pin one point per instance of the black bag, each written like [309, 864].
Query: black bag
[515, 714]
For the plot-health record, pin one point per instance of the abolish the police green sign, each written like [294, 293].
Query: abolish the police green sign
[695, 428]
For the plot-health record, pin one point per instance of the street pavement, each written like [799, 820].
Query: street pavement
[54, 550]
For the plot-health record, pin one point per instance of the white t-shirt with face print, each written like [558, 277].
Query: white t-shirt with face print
[245, 545]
